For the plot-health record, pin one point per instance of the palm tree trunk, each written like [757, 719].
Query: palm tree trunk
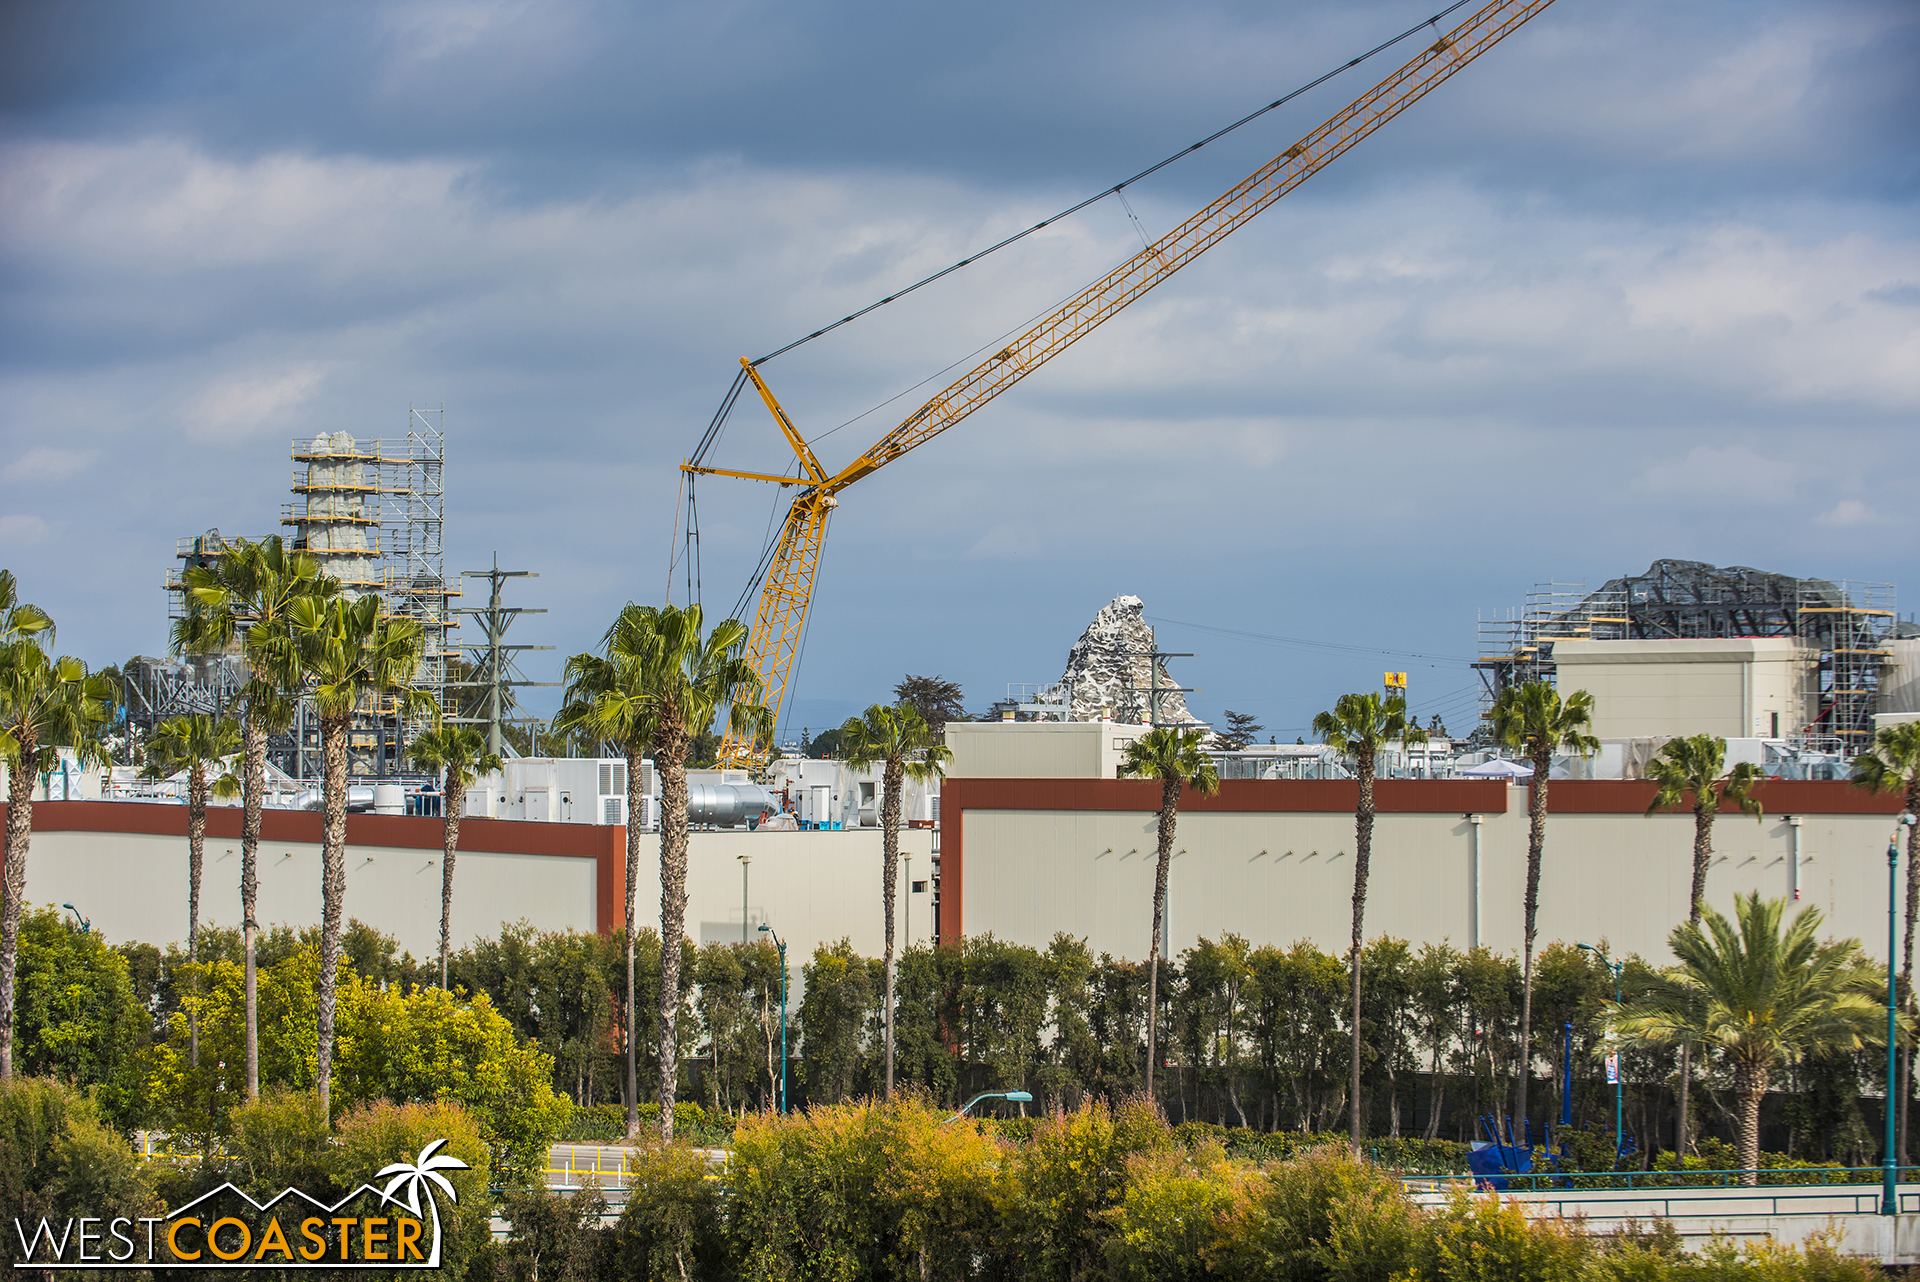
[14, 887]
[1536, 847]
[254, 782]
[1169, 818]
[634, 794]
[333, 891]
[672, 763]
[1906, 963]
[454, 801]
[889, 884]
[196, 863]
[1750, 1085]
[1697, 898]
[1362, 862]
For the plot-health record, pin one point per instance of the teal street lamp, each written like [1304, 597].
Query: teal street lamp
[1613, 1056]
[1889, 1173]
[781, 944]
[86, 926]
[1017, 1097]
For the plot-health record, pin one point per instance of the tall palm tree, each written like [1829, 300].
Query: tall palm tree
[1173, 756]
[351, 658]
[196, 744]
[1758, 995]
[606, 701]
[665, 682]
[459, 755]
[1690, 770]
[899, 739]
[46, 704]
[1357, 728]
[241, 601]
[1894, 766]
[1534, 719]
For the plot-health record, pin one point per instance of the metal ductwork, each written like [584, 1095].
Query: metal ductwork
[726, 805]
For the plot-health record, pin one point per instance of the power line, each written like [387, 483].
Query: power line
[1338, 647]
[1116, 188]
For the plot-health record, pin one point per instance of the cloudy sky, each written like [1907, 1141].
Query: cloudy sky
[1642, 282]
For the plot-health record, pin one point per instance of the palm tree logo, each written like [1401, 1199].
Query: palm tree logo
[423, 1173]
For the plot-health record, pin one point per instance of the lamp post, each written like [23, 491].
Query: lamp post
[86, 926]
[781, 944]
[1613, 1056]
[1889, 1174]
[1017, 1097]
[745, 861]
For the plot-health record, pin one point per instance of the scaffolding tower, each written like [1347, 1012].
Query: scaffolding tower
[1844, 625]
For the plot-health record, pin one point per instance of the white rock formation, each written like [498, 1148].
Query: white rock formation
[1110, 670]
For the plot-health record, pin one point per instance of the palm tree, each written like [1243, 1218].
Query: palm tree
[1760, 996]
[242, 599]
[1894, 766]
[1688, 770]
[1534, 719]
[659, 681]
[194, 744]
[1357, 728]
[459, 755]
[1172, 756]
[351, 657]
[46, 704]
[606, 701]
[900, 738]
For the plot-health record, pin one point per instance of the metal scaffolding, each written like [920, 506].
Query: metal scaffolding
[493, 670]
[1845, 626]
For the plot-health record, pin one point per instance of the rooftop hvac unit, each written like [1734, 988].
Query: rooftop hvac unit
[613, 779]
[612, 808]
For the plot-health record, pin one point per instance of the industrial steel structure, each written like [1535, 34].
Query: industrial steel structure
[492, 669]
[791, 562]
[373, 514]
[1845, 627]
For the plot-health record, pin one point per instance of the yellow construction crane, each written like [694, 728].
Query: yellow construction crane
[788, 589]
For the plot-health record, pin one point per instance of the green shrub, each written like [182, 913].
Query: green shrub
[1067, 1179]
[59, 1158]
[553, 1237]
[672, 1225]
[1488, 1239]
[279, 1141]
[1325, 1214]
[1170, 1214]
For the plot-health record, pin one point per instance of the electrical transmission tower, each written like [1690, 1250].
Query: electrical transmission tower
[495, 671]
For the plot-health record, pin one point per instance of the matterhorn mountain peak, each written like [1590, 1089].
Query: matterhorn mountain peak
[1111, 670]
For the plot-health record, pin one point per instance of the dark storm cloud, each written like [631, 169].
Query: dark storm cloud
[1639, 283]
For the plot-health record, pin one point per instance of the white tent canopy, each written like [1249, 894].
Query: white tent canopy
[1498, 770]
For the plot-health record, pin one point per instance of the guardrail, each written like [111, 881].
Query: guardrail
[1651, 1180]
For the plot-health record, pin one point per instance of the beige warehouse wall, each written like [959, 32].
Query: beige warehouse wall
[814, 886]
[1726, 687]
[1278, 877]
[134, 887]
[1038, 749]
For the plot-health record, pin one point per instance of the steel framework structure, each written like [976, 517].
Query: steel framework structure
[787, 589]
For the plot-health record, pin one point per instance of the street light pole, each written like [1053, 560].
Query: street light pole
[1889, 1174]
[781, 944]
[745, 860]
[1618, 1106]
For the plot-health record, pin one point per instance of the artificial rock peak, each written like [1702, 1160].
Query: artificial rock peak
[1110, 670]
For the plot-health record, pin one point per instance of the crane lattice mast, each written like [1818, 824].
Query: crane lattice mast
[788, 589]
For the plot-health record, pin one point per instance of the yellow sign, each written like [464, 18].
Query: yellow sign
[1396, 680]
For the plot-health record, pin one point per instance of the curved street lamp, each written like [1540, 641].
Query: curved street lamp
[1017, 1097]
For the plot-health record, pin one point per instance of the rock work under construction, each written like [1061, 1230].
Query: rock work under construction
[1111, 668]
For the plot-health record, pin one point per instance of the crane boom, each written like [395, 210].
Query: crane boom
[787, 592]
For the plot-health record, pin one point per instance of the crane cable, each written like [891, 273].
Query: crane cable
[1113, 190]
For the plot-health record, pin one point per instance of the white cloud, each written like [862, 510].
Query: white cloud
[47, 463]
[21, 530]
[1849, 512]
[235, 408]
[1732, 473]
